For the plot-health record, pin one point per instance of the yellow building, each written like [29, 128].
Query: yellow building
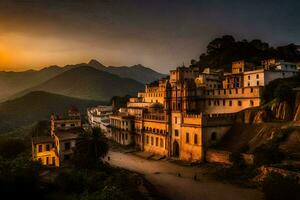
[43, 150]
[183, 115]
[58, 147]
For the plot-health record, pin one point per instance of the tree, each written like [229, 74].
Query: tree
[284, 92]
[277, 187]
[10, 148]
[90, 149]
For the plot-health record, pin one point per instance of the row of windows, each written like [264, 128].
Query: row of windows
[153, 95]
[257, 83]
[161, 141]
[187, 138]
[155, 130]
[47, 147]
[47, 160]
[230, 103]
[230, 91]
[257, 76]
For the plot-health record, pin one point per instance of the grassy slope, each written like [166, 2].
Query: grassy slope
[88, 83]
[36, 106]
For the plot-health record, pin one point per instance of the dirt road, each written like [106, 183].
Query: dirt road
[164, 176]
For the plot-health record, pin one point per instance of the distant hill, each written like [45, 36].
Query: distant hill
[136, 72]
[36, 106]
[15, 82]
[86, 82]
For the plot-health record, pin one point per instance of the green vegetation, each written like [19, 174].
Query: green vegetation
[281, 89]
[20, 177]
[119, 101]
[222, 51]
[89, 150]
[107, 184]
[277, 187]
[36, 106]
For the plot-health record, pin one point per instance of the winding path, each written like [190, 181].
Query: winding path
[163, 175]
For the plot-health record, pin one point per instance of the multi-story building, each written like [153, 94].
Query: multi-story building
[98, 117]
[58, 146]
[182, 115]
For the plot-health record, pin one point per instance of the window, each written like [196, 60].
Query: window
[257, 82]
[72, 125]
[239, 103]
[126, 136]
[230, 103]
[67, 157]
[161, 143]
[248, 77]
[156, 141]
[47, 160]
[47, 147]
[176, 132]
[147, 139]
[53, 160]
[40, 148]
[175, 120]
[187, 138]
[195, 139]
[251, 103]
[257, 75]
[152, 140]
[209, 102]
[251, 90]
[224, 102]
[213, 136]
[248, 84]
[67, 145]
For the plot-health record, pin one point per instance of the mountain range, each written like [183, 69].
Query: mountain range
[86, 82]
[12, 84]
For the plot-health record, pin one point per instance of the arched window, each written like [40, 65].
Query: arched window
[239, 103]
[213, 136]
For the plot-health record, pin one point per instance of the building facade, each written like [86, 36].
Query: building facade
[191, 110]
[58, 146]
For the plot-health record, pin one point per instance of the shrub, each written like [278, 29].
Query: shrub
[284, 92]
[11, 148]
[70, 181]
[237, 159]
[267, 154]
[277, 187]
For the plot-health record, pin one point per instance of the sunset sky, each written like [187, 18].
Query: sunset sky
[159, 34]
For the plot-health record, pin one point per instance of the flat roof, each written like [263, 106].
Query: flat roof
[65, 135]
[42, 139]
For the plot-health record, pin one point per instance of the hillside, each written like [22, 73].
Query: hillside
[15, 82]
[36, 106]
[88, 83]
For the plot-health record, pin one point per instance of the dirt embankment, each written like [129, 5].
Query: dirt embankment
[257, 126]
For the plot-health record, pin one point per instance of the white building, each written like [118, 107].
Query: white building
[98, 117]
